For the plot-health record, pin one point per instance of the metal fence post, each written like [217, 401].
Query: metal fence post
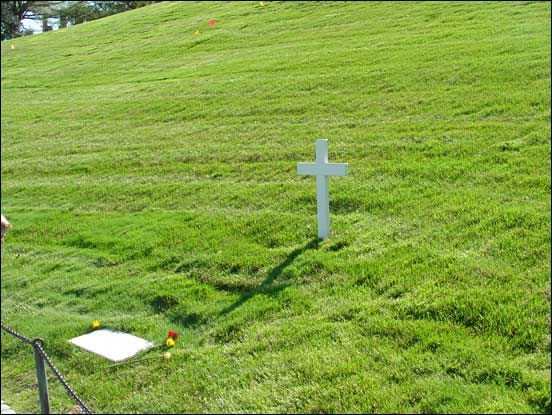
[42, 382]
[41, 359]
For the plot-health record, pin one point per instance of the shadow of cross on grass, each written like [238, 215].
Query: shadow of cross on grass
[272, 275]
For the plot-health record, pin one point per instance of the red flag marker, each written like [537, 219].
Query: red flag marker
[211, 22]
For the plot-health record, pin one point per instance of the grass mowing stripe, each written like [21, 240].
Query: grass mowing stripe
[150, 176]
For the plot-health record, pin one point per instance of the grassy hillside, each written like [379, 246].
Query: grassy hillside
[150, 177]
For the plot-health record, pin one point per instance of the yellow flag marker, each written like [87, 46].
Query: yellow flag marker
[13, 46]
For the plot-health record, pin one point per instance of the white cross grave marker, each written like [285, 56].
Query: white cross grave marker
[322, 169]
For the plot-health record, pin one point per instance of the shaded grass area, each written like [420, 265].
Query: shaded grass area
[150, 176]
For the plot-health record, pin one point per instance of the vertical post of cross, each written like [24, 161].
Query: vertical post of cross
[322, 191]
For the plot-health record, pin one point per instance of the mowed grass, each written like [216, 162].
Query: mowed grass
[150, 177]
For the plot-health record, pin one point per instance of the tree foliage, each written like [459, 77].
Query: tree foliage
[68, 12]
[112, 7]
[13, 12]
[78, 12]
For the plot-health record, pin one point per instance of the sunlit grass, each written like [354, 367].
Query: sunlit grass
[150, 177]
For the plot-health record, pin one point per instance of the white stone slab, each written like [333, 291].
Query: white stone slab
[113, 345]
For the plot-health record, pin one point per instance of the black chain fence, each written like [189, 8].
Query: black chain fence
[37, 345]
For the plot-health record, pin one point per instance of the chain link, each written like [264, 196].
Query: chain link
[37, 345]
[16, 334]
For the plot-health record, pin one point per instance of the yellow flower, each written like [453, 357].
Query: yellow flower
[167, 355]
[95, 324]
[170, 342]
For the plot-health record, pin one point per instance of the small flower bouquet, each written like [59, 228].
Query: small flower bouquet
[169, 342]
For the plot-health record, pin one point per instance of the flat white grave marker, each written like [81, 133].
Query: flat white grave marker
[113, 345]
[322, 169]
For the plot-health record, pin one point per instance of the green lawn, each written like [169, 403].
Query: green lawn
[150, 177]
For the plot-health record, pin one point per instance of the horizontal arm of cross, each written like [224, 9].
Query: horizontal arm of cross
[318, 169]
